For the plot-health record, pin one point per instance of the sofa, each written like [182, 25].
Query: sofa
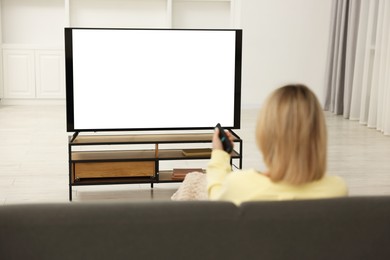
[342, 228]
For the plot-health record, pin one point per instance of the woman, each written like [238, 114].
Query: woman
[291, 134]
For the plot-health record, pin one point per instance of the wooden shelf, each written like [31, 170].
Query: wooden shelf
[112, 181]
[166, 154]
[141, 139]
[164, 177]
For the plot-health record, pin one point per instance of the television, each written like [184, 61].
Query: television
[152, 79]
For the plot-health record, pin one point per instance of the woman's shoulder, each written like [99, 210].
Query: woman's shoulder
[333, 179]
[335, 183]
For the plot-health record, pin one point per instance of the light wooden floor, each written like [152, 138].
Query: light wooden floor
[34, 167]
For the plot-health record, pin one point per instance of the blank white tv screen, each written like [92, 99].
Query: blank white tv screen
[152, 79]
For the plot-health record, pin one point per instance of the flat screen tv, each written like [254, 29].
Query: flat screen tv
[152, 79]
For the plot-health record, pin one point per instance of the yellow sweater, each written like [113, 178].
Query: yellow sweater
[250, 185]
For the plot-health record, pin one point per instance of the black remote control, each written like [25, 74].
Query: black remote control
[227, 145]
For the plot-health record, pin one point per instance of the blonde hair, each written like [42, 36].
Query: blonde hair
[291, 134]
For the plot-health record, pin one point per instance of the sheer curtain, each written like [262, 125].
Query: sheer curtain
[358, 75]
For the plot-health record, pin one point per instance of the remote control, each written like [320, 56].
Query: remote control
[227, 145]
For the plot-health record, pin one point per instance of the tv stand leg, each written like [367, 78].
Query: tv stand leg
[70, 192]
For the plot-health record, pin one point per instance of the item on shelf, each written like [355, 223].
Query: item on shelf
[180, 174]
[197, 152]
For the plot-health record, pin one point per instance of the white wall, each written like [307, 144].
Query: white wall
[283, 41]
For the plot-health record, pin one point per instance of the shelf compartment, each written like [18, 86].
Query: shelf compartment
[114, 169]
[108, 13]
[178, 154]
[112, 155]
[162, 154]
[166, 176]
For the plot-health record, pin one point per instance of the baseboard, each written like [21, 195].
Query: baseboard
[29, 102]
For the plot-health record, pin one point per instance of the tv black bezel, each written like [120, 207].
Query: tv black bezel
[69, 81]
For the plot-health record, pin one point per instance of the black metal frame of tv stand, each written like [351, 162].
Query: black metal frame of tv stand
[156, 154]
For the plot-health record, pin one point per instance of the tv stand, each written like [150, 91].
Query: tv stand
[136, 158]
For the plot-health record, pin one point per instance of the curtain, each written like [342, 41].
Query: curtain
[358, 70]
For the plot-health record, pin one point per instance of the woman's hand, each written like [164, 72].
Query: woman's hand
[217, 144]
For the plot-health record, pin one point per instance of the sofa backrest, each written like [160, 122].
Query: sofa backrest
[342, 228]
[139, 230]
[345, 228]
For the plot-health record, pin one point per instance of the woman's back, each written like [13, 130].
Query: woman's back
[291, 134]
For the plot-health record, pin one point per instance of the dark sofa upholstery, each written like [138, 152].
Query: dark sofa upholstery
[345, 228]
